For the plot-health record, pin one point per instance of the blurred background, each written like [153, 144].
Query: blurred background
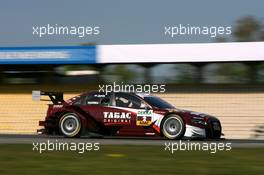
[245, 29]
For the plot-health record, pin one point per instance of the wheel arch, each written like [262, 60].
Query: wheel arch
[174, 113]
[87, 120]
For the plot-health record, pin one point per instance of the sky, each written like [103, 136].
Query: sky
[120, 21]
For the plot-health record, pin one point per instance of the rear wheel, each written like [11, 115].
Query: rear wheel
[70, 125]
[173, 127]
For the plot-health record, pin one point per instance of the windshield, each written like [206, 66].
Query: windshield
[157, 102]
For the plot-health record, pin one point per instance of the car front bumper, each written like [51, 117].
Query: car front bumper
[194, 132]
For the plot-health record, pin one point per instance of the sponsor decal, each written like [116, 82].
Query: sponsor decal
[57, 106]
[117, 117]
[100, 95]
[144, 113]
[143, 121]
[92, 102]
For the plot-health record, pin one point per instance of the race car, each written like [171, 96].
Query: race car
[123, 114]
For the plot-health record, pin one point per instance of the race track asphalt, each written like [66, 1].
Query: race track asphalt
[29, 139]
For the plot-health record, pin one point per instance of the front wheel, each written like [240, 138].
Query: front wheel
[173, 127]
[70, 125]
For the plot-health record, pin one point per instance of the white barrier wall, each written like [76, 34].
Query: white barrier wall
[167, 53]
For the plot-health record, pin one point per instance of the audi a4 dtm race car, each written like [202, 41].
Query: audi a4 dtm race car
[123, 114]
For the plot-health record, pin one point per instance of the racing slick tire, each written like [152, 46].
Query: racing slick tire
[70, 125]
[173, 127]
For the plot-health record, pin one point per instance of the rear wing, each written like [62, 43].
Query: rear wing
[55, 97]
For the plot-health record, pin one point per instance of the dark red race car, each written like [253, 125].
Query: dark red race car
[123, 114]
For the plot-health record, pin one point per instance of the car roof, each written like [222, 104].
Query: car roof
[142, 95]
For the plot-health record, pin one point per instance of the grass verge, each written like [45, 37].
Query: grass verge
[20, 159]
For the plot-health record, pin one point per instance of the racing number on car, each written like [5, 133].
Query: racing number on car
[144, 117]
